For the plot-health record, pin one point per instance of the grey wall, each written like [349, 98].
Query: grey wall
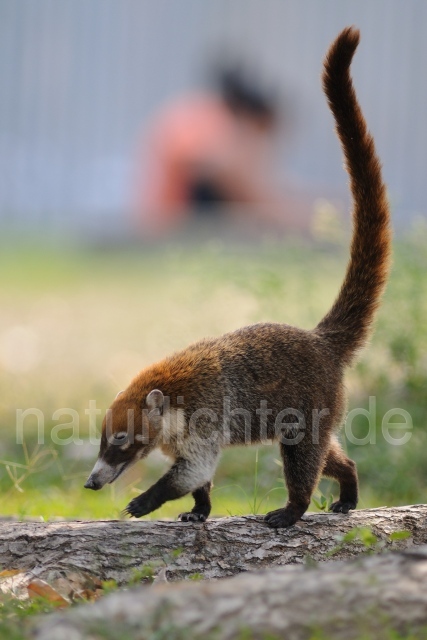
[79, 78]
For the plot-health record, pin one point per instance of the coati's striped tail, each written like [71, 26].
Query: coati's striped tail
[346, 326]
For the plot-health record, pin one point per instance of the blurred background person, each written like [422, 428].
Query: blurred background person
[213, 153]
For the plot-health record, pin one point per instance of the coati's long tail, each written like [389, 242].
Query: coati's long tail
[346, 326]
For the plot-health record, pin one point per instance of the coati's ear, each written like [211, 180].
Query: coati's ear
[155, 401]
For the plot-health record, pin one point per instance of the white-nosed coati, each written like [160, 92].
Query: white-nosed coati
[266, 381]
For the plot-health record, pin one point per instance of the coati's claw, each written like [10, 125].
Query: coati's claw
[280, 518]
[192, 517]
[342, 507]
[131, 511]
[138, 507]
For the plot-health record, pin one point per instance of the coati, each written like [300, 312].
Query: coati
[267, 381]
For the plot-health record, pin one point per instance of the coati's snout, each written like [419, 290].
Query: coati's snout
[92, 483]
[129, 433]
[105, 473]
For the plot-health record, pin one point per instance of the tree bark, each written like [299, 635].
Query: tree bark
[216, 549]
[374, 597]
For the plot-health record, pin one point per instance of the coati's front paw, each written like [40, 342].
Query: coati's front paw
[342, 507]
[281, 518]
[139, 506]
[192, 517]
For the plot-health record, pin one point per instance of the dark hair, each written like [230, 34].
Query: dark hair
[244, 95]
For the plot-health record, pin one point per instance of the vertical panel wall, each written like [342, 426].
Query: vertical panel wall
[79, 78]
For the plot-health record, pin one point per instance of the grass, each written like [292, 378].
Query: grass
[15, 615]
[77, 325]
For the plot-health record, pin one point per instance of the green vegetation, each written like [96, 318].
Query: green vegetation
[15, 614]
[365, 537]
[77, 325]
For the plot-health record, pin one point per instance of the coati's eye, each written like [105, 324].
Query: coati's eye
[121, 436]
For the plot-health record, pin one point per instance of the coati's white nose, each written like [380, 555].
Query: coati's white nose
[100, 475]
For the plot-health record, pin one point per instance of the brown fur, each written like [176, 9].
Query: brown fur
[348, 322]
[211, 394]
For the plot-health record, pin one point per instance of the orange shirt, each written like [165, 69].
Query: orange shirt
[185, 137]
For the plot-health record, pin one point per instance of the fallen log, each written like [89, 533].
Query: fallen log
[112, 550]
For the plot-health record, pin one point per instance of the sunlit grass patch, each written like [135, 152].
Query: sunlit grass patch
[77, 325]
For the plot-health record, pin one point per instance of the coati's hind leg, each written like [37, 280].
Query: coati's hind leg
[302, 468]
[341, 468]
[202, 506]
